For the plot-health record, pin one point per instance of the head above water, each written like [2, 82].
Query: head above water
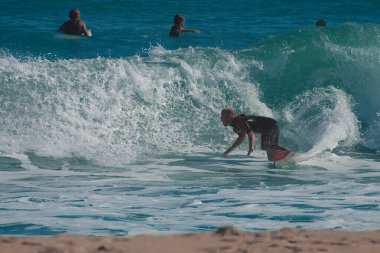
[74, 14]
[227, 115]
[321, 23]
[179, 19]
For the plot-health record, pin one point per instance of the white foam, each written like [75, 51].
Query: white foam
[114, 111]
[321, 120]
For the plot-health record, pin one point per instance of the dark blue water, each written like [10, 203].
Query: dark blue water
[127, 28]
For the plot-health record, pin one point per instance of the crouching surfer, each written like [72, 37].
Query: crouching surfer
[249, 125]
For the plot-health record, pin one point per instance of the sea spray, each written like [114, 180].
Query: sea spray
[320, 120]
[122, 108]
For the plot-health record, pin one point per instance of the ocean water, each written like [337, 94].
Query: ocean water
[120, 133]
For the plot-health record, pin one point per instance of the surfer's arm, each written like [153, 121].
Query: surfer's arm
[85, 31]
[238, 141]
[251, 138]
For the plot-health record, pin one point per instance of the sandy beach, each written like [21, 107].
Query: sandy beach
[225, 240]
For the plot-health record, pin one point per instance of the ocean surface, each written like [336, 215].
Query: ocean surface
[120, 133]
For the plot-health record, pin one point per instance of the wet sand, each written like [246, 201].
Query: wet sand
[225, 240]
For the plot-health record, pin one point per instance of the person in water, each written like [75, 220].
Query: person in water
[178, 27]
[320, 23]
[249, 125]
[75, 26]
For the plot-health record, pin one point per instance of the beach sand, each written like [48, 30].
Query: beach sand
[224, 240]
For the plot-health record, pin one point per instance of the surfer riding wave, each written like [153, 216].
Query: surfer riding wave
[249, 125]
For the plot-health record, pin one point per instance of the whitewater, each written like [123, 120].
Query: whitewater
[131, 144]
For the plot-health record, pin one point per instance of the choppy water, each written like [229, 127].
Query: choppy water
[120, 133]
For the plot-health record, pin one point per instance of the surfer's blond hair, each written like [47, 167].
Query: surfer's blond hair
[228, 112]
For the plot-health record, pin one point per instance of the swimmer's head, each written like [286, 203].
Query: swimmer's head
[321, 23]
[74, 14]
[179, 19]
[227, 115]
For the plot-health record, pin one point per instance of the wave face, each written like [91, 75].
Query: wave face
[321, 85]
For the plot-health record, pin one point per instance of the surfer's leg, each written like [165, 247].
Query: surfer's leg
[269, 142]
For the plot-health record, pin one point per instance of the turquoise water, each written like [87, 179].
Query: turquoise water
[119, 134]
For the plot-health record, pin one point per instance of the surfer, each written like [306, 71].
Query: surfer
[75, 26]
[177, 28]
[249, 125]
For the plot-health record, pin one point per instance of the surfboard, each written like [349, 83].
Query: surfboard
[281, 154]
[73, 37]
[284, 158]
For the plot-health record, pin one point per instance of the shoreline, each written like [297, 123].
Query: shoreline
[227, 239]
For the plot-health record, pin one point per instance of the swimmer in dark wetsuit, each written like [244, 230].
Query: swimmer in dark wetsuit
[177, 29]
[75, 26]
[249, 125]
